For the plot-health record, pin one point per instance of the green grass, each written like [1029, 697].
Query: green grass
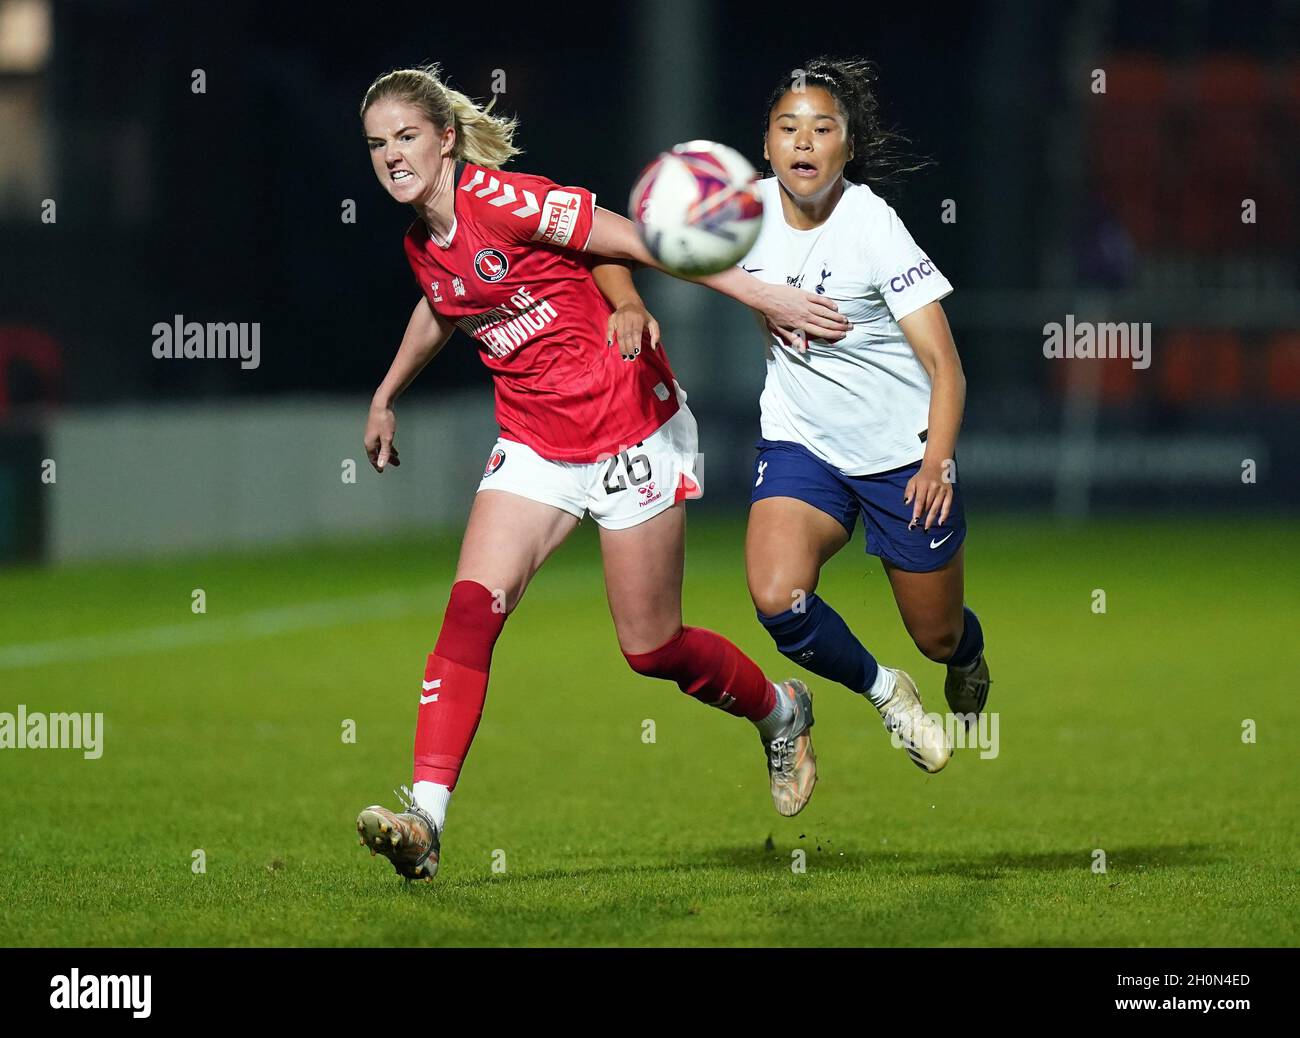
[1119, 731]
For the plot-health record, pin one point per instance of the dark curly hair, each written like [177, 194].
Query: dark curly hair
[880, 156]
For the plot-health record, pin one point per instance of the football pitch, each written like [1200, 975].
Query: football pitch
[601, 808]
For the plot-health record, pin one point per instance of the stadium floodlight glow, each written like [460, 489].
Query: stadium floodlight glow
[25, 35]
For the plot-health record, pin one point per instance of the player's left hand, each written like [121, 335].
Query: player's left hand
[626, 325]
[929, 494]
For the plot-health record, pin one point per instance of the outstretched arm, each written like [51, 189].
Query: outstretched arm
[783, 305]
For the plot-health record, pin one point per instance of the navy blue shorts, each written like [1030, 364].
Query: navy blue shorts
[786, 469]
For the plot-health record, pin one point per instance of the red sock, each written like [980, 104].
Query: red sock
[707, 666]
[455, 683]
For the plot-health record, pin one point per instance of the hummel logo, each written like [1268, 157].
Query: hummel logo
[762, 467]
[506, 197]
[935, 544]
[429, 685]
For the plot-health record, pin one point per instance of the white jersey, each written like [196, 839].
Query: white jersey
[862, 404]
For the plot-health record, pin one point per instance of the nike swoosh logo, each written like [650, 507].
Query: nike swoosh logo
[935, 544]
[750, 270]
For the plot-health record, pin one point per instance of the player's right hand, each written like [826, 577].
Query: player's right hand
[817, 317]
[381, 426]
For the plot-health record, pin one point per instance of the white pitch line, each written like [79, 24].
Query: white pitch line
[209, 630]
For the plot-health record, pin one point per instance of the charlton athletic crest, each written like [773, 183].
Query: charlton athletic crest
[491, 264]
[496, 460]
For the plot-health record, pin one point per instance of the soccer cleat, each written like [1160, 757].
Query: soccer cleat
[409, 840]
[967, 691]
[791, 763]
[923, 738]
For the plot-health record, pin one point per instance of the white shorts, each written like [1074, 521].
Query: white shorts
[619, 491]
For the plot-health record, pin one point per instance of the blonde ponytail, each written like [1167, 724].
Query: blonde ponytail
[481, 137]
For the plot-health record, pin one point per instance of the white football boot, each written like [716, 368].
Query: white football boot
[924, 739]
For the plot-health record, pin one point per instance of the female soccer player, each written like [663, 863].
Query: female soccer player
[865, 425]
[511, 259]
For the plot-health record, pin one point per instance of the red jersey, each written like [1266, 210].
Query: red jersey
[512, 275]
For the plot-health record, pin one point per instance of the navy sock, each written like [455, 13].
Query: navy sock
[971, 643]
[819, 639]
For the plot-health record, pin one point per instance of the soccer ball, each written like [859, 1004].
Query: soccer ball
[697, 208]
